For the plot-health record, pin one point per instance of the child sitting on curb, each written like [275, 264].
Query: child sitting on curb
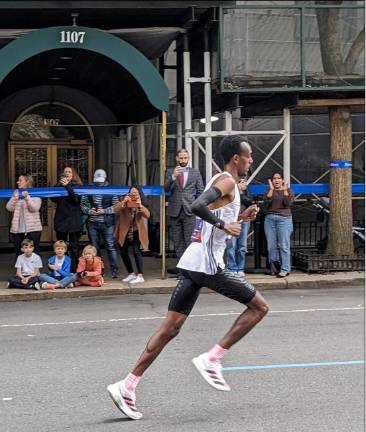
[59, 265]
[27, 265]
[90, 268]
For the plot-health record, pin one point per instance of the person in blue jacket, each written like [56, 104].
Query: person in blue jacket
[59, 269]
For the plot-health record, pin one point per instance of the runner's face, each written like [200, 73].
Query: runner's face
[245, 161]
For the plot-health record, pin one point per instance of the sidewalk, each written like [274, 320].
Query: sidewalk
[155, 285]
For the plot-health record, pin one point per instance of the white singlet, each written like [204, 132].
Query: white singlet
[206, 252]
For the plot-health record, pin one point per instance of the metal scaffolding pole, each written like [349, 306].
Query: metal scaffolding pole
[179, 126]
[196, 149]
[286, 145]
[162, 196]
[207, 91]
[187, 96]
[228, 120]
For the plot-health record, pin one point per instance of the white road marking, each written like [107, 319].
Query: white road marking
[149, 318]
[7, 399]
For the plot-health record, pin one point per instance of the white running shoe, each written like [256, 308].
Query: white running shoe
[44, 285]
[124, 400]
[241, 274]
[138, 279]
[129, 278]
[211, 372]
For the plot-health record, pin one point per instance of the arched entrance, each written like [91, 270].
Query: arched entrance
[41, 146]
[108, 80]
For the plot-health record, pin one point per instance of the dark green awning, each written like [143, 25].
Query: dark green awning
[89, 39]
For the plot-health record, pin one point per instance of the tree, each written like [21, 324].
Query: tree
[340, 240]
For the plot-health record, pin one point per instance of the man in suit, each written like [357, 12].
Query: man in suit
[185, 184]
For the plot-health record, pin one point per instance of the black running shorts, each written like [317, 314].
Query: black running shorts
[223, 282]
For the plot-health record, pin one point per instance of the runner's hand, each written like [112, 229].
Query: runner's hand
[233, 228]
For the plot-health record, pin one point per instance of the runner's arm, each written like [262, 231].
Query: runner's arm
[200, 206]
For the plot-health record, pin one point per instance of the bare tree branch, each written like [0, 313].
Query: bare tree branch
[355, 52]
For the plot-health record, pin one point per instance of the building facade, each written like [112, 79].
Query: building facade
[85, 85]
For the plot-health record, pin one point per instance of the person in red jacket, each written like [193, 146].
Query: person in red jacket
[90, 268]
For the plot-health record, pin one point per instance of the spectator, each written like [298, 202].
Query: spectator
[90, 268]
[237, 246]
[59, 265]
[278, 225]
[131, 231]
[26, 221]
[101, 221]
[67, 222]
[185, 185]
[27, 265]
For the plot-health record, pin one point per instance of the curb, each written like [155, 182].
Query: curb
[20, 295]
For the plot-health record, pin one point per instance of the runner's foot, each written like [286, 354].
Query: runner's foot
[211, 372]
[124, 400]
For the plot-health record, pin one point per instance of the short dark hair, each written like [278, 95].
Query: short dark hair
[230, 146]
[27, 242]
[182, 150]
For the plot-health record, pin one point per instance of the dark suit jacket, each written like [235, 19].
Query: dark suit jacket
[183, 197]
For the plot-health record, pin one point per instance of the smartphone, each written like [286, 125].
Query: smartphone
[132, 204]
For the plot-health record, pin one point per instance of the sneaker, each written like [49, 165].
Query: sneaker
[129, 278]
[241, 274]
[71, 285]
[138, 279]
[124, 400]
[37, 286]
[282, 274]
[211, 372]
[44, 285]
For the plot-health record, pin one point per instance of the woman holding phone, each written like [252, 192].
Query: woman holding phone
[67, 221]
[26, 221]
[131, 232]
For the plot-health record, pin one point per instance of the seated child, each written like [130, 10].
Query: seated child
[59, 265]
[27, 265]
[90, 268]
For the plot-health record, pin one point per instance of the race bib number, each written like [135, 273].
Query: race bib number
[196, 235]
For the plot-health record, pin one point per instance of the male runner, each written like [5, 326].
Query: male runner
[202, 265]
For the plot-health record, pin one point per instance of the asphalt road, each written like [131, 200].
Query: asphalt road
[58, 356]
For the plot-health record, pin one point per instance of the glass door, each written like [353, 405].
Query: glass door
[45, 162]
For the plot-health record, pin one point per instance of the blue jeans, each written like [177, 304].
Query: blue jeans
[278, 231]
[98, 230]
[67, 280]
[236, 249]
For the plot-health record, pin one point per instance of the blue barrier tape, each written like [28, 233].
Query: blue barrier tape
[54, 192]
[312, 188]
[340, 164]
[254, 189]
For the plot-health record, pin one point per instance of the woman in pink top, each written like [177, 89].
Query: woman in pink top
[26, 221]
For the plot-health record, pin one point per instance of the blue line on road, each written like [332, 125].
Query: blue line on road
[295, 365]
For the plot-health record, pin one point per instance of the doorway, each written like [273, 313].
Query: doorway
[45, 162]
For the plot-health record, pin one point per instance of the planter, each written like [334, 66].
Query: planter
[315, 262]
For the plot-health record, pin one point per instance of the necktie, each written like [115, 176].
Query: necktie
[181, 180]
